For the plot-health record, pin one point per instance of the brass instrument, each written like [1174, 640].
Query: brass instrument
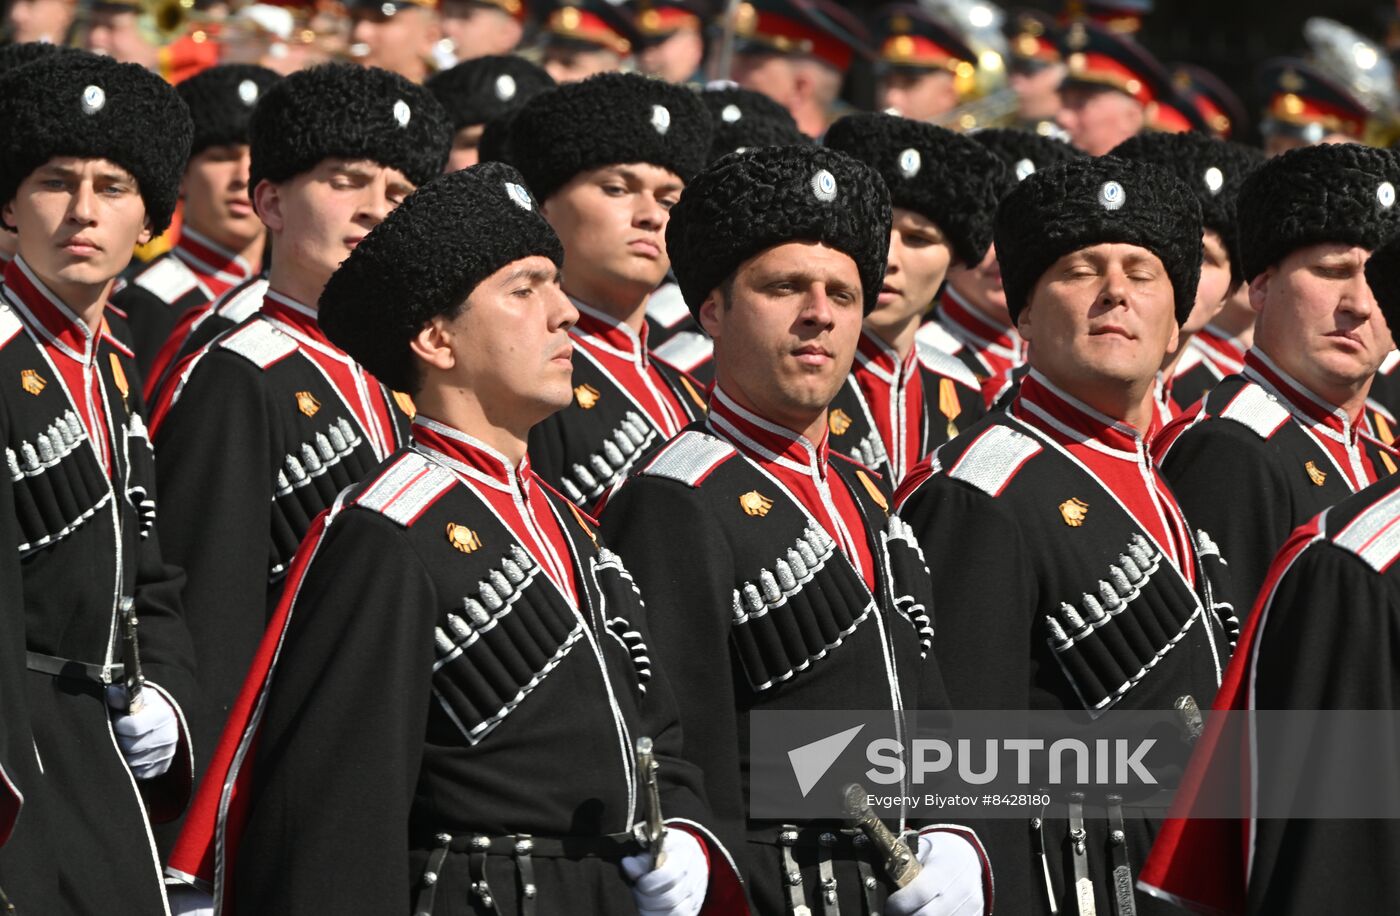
[1001, 108]
[167, 20]
[1363, 67]
[987, 100]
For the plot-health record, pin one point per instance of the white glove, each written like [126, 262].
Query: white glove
[148, 739]
[950, 883]
[189, 901]
[678, 887]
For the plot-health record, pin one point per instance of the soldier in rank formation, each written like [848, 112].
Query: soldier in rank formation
[438, 433]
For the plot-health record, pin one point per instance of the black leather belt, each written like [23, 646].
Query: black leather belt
[76, 670]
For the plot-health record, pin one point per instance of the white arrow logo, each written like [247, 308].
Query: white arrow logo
[811, 761]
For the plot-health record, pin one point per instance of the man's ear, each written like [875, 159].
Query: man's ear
[710, 314]
[1259, 289]
[267, 204]
[146, 233]
[1023, 323]
[8, 215]
[433, 344]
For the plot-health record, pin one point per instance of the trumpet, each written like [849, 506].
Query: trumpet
[998, 109]
[167, 19]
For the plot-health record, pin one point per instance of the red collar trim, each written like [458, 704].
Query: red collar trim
[603, 330]
[875, 355]
[1222, 349]
[299, 316]
[968, 318]
[51, 317]
[479, 460]
[1051, 409]
[1259, 368]
[203, 256]
[763, 440]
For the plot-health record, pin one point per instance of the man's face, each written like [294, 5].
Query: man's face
[1101, 317]
[1214, 285]
[478, 30]
[511, 345]
[785, 331]
[318, 217]
[215, 192]
[78, 220]
[771, 74]
[466, 148]
[918, 94]
[1098, 119]
[1037, 88]
[675, 58]
[38, 20]
[1318, 319]
[981, 286]
[401, 42]
[918, 261]
[612, 221]
[569, 65]
[117, 34]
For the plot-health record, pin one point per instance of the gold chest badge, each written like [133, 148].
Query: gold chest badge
[1073, 511]
[307, 403]
[838, 421]
[874, 491]
[755, 504]
[1317, 477]
[31, 381]
[405, 404]
[119, 378]
[587, 396]
[463, 538]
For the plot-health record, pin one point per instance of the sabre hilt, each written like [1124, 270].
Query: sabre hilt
[132, 676]
[900, 862]
[651, 830]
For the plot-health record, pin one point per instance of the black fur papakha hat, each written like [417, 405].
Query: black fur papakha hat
[25, 52]
[1340, 192]
[477, 90]
[1213, 169]
[743, 119]
[608, 119]
[95, 108]
[425, 259]
[346, 111]
[221, 102]
[946, 177]
[1074, 205]
[751, 201]
[1024, 151]
[1383, 275]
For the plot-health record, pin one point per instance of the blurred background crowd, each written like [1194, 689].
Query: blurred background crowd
[1092, 72]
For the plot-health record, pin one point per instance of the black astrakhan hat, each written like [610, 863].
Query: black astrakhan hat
[221, 102]
[95, 108]
[477, 90]
[1213, 169]
[949, 178]
[748, 202]
[351, 112]
[1025, 151]
[1341, 192]
[25, 52]
[743, 119]
[1075, 205]
[1383, 274]
[604, 120]
[425, 259]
